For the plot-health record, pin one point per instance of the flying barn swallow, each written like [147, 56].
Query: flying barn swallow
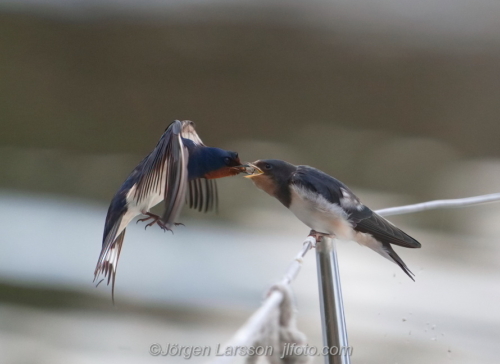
[179, 163]
[329, 207]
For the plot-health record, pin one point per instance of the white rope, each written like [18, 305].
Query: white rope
[248, 334]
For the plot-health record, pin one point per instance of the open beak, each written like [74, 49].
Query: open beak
[252, 170]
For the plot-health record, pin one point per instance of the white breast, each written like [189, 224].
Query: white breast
[319, 214]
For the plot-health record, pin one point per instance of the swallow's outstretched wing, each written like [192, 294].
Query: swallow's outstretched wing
[189, 132]
[164, 172]
[202, 194]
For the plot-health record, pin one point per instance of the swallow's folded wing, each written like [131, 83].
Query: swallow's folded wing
[384, 231]
[332, 190]
[362, 218]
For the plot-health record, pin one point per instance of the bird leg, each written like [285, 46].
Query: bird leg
[156, 220]
[318, 236]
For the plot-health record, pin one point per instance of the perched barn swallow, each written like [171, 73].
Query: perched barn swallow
[179, 162]
[329, 207]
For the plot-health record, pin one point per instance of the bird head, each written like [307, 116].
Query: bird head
[224, 163]
[270, 175]
[273, 168]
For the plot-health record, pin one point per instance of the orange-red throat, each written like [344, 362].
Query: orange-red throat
[224, 172]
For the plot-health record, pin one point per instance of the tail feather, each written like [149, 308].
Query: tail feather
[398, 261]
[384, 249]
[108, 262]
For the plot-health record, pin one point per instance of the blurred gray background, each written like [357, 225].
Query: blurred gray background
[398, 99]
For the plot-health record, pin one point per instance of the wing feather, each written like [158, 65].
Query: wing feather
[176, 181]
[202, 195]
[215, 200]
[189, 132]
[190, 198]
[202, 192]
[383, 230]
[159, 163]
[208, 196]
[166, 168]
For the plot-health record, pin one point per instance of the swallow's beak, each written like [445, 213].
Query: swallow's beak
[253, 171]
[241, 168]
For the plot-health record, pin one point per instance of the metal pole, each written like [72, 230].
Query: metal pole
[332, 307]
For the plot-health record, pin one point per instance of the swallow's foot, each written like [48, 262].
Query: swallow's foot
[156, 220]
[179, 223]
[318, 236]
[161, 224]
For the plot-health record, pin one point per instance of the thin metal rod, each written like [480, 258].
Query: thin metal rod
[332, 307]
[439, 204]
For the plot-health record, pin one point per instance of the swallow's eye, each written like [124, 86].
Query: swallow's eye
[268, 166]
[227, 160]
